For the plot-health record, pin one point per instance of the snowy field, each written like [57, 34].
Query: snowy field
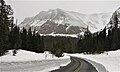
[109, 60]
[27, 61]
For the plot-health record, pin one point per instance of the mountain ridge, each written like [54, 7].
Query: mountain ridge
[68, 19]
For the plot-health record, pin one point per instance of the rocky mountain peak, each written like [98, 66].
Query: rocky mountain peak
[69, 21]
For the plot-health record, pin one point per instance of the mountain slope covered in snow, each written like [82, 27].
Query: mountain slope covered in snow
[65, 22]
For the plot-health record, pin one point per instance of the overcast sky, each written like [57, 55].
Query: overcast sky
[28, 8]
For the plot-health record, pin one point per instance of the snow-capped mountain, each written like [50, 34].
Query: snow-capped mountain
[65, 22]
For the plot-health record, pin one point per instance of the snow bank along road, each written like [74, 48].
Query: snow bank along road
[77, 65]
[26, 61]
[31, 66]
[105, 62]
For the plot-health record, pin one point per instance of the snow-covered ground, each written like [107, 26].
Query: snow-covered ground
[110, 60]
[45, 61]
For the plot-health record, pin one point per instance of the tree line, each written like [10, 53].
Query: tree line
[106, 40]
[25, 39]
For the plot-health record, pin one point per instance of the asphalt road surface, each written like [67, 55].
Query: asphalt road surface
[77, 65]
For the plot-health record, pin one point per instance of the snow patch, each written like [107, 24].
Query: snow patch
[40, 23]
[34, 23]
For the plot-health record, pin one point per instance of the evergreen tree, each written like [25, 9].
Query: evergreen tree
[33, 39]
[109, 40]
[87, 41]
[115, 37]
[79, 44]
[24, 39]
[41, 43]
[11, 33]
[103, 40]
[11, 38]
[5, 19]
[17, 38]
[29, 39]
[59, 53]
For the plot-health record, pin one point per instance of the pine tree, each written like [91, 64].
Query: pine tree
[29, 39]
[59, 53]
[109, 40]
[5, 19]
[24, 39]
[79, 44]
[103, 40]
[11, 37]
[41, 43]
[17, 38]
[87, 41]
[115, 37]
[34, 39]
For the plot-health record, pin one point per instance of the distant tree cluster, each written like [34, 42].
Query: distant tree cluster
[60, 44]
[27, 40]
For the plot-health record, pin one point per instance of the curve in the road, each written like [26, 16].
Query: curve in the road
[77, 65]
